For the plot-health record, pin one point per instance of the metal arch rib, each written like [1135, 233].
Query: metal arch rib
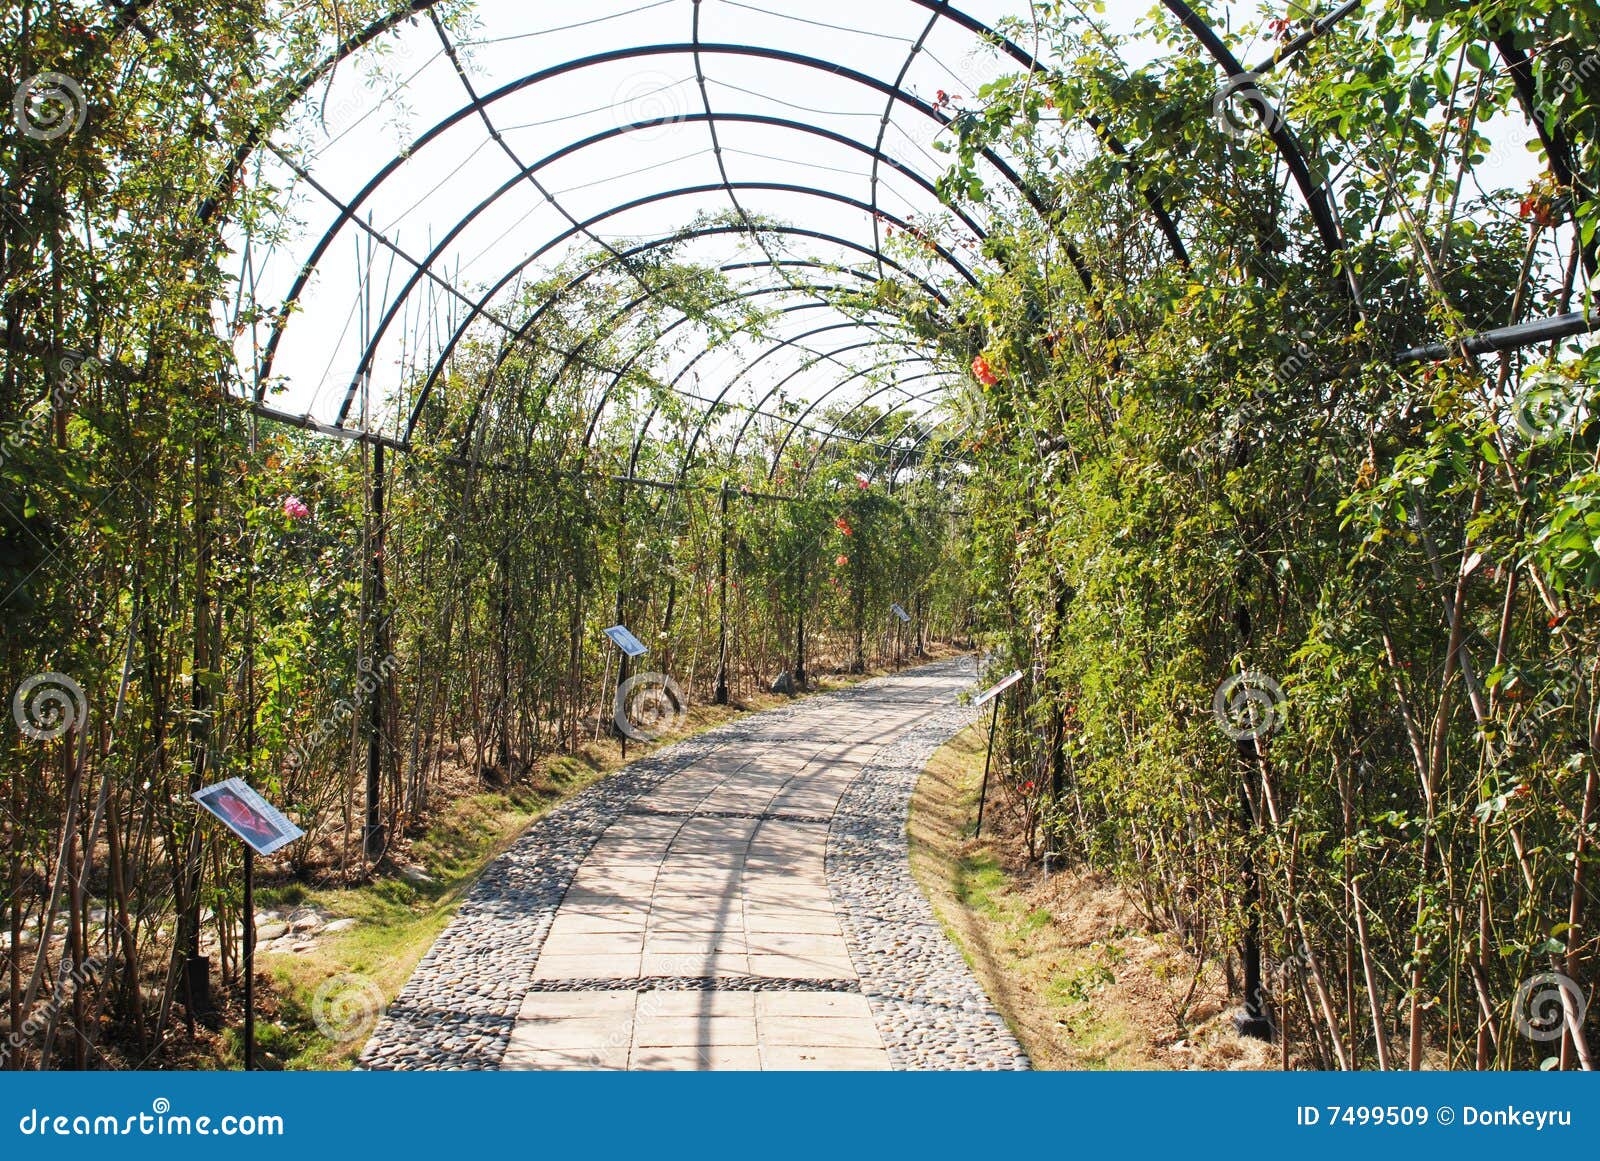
[433, 256]
[866, 399]
[787, 379]
[644, 427]
[816, 357]
[292, 91]
[519, 334]
[794, 424]
[777, 456]
[752, 293]
[1283, 138]
[883, 126]
[781, 344]
[1108, 138]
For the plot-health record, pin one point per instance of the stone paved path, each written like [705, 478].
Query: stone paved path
[741, 900]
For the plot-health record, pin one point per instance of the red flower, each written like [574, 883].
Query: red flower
[1539, 209]
[1027, 787]
[843, 526]
[984, 373]
[863, 483]
[842, 560]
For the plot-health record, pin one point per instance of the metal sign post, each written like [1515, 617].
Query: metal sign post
[631, 647]
[249, 959]
[991, 694]
[263, 829]
[903, 618]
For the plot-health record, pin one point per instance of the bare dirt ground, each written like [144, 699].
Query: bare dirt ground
[1083, 978]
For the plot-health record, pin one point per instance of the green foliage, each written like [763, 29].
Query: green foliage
[1189, 470]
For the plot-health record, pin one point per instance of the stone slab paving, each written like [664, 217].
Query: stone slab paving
[742, 900]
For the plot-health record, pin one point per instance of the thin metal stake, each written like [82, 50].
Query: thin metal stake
[249, 959]
[994, 720]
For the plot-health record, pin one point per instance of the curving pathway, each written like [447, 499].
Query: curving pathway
[739, 900]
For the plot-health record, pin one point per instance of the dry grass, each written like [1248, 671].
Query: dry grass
[1082, 978]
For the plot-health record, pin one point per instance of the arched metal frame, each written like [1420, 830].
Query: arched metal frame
[1317, 196]
[479, 107]
[858, 405]
[348, 210]
[518, 333]
[742, 296]
[894, 93]
[811, 287]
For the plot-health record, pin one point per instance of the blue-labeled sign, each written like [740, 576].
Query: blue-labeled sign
[626, 641]
[998, 688]
[901, 613]
[248, 815]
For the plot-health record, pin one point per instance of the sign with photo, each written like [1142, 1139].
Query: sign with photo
[248, 815]
[626, 641]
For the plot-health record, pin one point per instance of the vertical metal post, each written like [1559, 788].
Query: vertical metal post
[373, 832]
[1253, 1021]
[720, 696]
[622, 678]
[197, 967]
[249, 959]
[988, 757]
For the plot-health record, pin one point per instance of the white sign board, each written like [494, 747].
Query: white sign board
[626, 641]
[901, 613]
[998, 688]
[248, 815]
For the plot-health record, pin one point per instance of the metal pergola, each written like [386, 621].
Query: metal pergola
[483, 178]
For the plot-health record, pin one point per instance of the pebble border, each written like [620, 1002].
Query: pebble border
[930, 1009]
